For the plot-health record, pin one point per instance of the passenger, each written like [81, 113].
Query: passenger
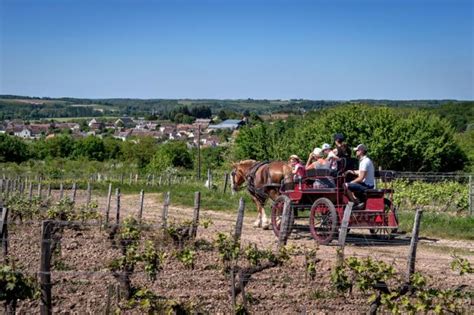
[343, 150]
[311, 158]
[321, 163]
[316, 160]
[365, 177]
[326, 148]
[330, 156]
[296, 167]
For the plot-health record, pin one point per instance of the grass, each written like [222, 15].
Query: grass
[210, 199]
[442, 225]
[447, 249]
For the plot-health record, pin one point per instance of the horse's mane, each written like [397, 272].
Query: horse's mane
[247, 162]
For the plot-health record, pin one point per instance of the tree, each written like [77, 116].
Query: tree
[140, 150]
[113, 148]
[222, 115]
[265, 141]
[403, 140]
[201, 112]
[181, 118]
[90, 147]
[12, 149]
[397, 139]
[212, 157]
[59, 146]
[151, 117]
[466, 141]
[171, 154]
[253, 143]
[459, 114]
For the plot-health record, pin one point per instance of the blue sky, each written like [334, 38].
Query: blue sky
[321, 49]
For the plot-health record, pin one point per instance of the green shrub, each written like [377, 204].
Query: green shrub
[403, 140]
[442, 196]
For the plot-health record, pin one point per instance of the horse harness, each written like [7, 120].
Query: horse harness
[260, 193]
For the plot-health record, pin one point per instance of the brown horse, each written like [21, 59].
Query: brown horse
[263, 181]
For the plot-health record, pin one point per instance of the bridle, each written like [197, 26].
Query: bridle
[233, 183]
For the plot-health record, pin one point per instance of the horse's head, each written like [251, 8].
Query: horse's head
[239, 172]
[237, 176]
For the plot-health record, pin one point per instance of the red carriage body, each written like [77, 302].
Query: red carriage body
[326, 205]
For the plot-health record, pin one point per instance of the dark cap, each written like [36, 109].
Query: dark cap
[338, 137]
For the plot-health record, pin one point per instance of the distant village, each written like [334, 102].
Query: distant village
[125, 128]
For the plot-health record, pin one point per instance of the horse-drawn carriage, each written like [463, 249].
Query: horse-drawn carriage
[326, 205]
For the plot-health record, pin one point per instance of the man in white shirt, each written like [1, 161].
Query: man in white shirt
[365, 176]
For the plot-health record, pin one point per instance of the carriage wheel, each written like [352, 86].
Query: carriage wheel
[277, 211]
[386, 233]
[323, 221]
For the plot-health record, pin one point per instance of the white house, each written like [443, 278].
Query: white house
[231, 124]
[23, 133]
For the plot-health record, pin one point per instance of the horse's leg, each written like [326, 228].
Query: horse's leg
[258, 221]
[265, 222]
[273, 194]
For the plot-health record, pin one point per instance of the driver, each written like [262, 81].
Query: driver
[365, 177]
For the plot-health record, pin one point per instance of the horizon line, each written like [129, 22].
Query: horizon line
[241, 99]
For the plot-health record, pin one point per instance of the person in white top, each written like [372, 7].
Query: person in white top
[365, 176]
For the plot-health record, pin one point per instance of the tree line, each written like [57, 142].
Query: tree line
[143, 154]
[402, 140]
[459, 113]
[398, 139]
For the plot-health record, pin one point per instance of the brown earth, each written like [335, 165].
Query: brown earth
[81, 283]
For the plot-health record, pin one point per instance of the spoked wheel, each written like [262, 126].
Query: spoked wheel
[386, 233]
[323, 221]
[277, 211]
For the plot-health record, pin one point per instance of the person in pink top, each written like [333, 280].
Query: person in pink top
[297, 168]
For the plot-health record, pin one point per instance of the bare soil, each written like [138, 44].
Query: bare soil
[82, 284]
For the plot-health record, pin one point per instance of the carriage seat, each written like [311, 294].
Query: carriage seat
[320, 172]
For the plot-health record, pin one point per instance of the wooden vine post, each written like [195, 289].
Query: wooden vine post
[240, 220]
[89, 193]
[209, 179]
[74, 192]
[107, 210]
[285, 224]
[237, 235]
[39, 190]
[197, 206]
[7, 189]
[142, 199]
[4, 231]
[343, 231]
[61, 191]
[164, 213]
[413, 246]
[45, 268]
[117, 213]
[30, 191]
[226, 181]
